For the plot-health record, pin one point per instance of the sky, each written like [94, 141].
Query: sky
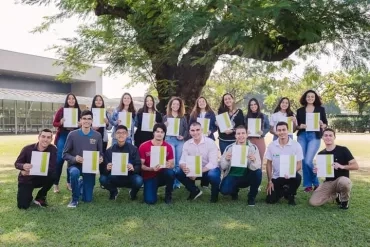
[17, 20]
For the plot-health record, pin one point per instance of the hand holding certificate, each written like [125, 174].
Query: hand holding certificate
[119, 164]
[254, 127]
[223, 121]
[313, 121]
[126, 119]
[98, 117]
[40, 163]
[173, 128]
[288, 166]
[324, 164]
[194, 164]
[158, 156]
[204, 122]
[90, 162]
[148, 122]
[239, 156]
[70, 116]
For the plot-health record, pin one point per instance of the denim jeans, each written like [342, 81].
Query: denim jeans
[212, 176]
[223, 145]
[87, 185]
[310, 145]
[177, 151]
[165, 177]
[230, 184]
[111, 183]
[60, 161]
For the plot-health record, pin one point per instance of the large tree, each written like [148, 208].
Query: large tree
[179, 41]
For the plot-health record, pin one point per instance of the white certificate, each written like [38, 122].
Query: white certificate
[173, 128]
[98, 117]
[91, 162]
[126, 119]
[158, 156]
[239, 156]
[254, 126]
[119, 164]
[194, 164]
[148, 122]
[324, 164]
[288, 166]
[223, 121]
[204, 122]
[40, 163]
[289, 121]
[313, 121]
[70, 116]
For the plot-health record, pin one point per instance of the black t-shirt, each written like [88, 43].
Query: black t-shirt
[342, 156]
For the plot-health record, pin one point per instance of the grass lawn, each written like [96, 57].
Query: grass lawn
[198, 223]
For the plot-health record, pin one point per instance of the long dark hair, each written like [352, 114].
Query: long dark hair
[93, 105]
[250, 114]
[289, 111]
[145, 107]
[223, 108]
[76, 103]
[131, 107]
[317, 101]
[196, 110]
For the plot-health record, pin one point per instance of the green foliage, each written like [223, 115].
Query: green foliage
[350, 123]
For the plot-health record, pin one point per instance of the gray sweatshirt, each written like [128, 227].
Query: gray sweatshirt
[77, 142]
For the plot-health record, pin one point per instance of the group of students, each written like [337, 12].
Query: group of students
[70, 144]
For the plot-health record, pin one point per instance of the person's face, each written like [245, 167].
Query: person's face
[149, 102]
[202, 103]
[282, 131]
[158, 134]
[121, 135]
[284, 104]
[98, 102]
[71, 101]
[310, 98]
[86, 121]
[241, 136]
[175, 106]
[253, 106]
[126, 100]
[45, 139]
[328, 138]
[228, 101]
[196, 132]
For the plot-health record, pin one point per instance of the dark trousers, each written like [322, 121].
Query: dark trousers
[165, 177]
[230, 184]
[24, 195]
[111, 182]
[284, 187]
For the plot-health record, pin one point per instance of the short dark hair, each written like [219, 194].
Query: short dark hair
[86, 112]
[281, 124]
[161, 126]
[46, 130]
[121, 127]
[241, 127]
[329, 129]
[317, 101]
[195, 124]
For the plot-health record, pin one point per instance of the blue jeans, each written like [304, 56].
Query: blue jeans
[111, 183]
[177, 150]
[230, 184]
[60, 161]
[223, 145]
[212, 176]
[310, 145]
[87, 186]
[165, 177]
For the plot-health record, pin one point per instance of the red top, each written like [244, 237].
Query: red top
[144, 151]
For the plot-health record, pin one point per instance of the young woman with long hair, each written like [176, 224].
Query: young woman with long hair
[202, 109]
[282, 111]
[98, 102]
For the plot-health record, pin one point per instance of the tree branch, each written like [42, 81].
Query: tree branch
[103, 8]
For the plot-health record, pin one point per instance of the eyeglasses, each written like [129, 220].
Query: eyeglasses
[121, 133]
[86, 119]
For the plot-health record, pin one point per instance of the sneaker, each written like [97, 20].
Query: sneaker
[235, 197]
[73, 204]
[113, 195]
[194, 195]
[315, 187]
[344, 205]
[168, 199]
[41, 203]
[214, 199]
[307, 189]
[291, 201]
[251, 202]
[132, 197]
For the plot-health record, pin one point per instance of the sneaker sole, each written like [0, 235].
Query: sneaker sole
[199, 194]
[38, 204]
